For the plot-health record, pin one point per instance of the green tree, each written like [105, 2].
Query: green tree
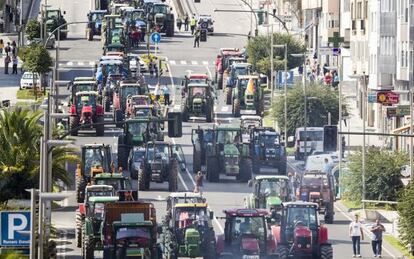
[38, 60]
[20, 133]
[33, 29]
[258, 50]
[382, 175]
[320, 101]
[405, 210]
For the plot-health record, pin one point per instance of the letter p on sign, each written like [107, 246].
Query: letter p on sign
[17, 222]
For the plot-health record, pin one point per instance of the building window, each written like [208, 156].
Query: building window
[402, 58]
[352, 11]
[359, 10]
[365, 9]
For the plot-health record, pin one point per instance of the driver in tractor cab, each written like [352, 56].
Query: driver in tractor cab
[276, 214]
[300, 217]
[92, 159]
[246, 226]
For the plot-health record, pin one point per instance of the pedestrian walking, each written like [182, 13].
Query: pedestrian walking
[15, 62]
[151, 68]
[166, 93]
[356, 234]
[7, 49]
[13, 47]
[179, 23]
[376, 242]
[6, 64]
[186, 21]
[327, 166]
[193, 24]
[198, 188]
[156, 70]
[197, 38]
[1, 47]
[157, 92]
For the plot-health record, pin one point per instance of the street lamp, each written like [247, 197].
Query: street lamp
[303, 55]
[284, 46]
[362, 77]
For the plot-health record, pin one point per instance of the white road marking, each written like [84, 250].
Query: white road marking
[194, 62]
[205, 63]
[80, 63]
[225, 109]
[183, 62]
[70, 63]
[172, 62]
[92, 63]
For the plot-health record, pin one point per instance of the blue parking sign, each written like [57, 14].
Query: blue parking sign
[281, 77]
[15, 228]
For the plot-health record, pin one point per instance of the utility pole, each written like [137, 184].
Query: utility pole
[306, 108]
[411, 130]
[285, 86]
[364, 83]
[272, 67]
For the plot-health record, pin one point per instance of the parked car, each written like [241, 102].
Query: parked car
[50, 44]
[206, 22]
[26, 81]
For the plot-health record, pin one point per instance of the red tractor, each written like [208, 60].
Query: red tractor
[300, 233]
[246, 235]
[222, 64]
[85, 110]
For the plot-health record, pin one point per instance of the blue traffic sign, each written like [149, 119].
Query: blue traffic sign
[155, 37]
[281, 77]
[15, 228]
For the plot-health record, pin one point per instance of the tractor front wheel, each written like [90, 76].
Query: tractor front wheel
[78, 230]
[73, 124]
[196, 160]
[142, 180]
[220, 81]
[107, 103]
[88, 246]
[246, 169]
[282, 252]
[236, 107]
[326, 252]
[209, 112]
[80, 189]
[100, 128]
[229, 95]
[213, 173]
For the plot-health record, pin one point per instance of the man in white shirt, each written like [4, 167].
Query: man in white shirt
[356, 234]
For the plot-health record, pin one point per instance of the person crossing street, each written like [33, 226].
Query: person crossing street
[197, 38]
[166, 93]
[193, 24]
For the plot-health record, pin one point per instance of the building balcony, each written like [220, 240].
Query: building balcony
[311, 4]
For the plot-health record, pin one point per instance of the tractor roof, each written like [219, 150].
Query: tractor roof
[247, 77]
[198, 85]
[84, 82]
[112, 16]
[111, 62]
[268, 133]
[300, 204]
[120, 224]
[89, 146]
[228, 127]
[228, 49]
[137, 120]
[251, 117]
[159, 142]
[114, 53]
[185, 195]
[98, 11]
[109, 176]
[198, 76]
[241, 64]
[86, 93]
[191, 205]
[246, 212]
[161, 4]
[102, 199]
[144, 106]
[129, 84]
[232, 53]
[140, 96]
[112, 56]
[270, 177]
[83, 78]
[99, 187]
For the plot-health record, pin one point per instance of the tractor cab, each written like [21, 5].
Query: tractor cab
[134, 100]
[199, 101]
[250, 122]
[137, 131]
[121, 184]
[195, 79]
[247, 96]
[158, 153]
[183, 197]
[125, 90]
[95, 19]
[246, 234]
[96, 159]
[269, 193]
[190, 215]
[86, 107]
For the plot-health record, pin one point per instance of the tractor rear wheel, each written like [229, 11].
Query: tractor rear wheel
[122, 153]
[236, 107]
[282, 252]
[184, 115]
[196, 160]
[326, 252]
[281, 169]
[78, 230]
[209, 112]
[73, 123]
[173, 176]
[213, 173]
[220, 81]
[100, 129]
[118, 117]
[80, 189]
[329, 213]
[88, 247]
[142, 186]
[229, 95]
[107, 103]
[210, 246]
[246, 169]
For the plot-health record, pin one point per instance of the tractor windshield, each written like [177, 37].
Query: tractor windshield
[273, 188]
[97, 17]
[85, 100]
[52, 14]
[304, 215]
[113, 69]
[143, 112]
[315, 180]
[95, 157]
[248, 226]
[98, 211]
[158, 152]
[197, 91]
[129, 91]
[84, 87]
[160, 9]
[133, 237]
[114, 182]
[228, 136]
[269, 140]
[137, 128]
[139, 155]
[188, 216]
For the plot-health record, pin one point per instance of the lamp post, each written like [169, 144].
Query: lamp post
[364, 99]
[303, 55]
[284, 46]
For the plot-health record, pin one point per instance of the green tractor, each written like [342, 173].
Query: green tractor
[91, 231]
[221, 150]
[236, 69]
[137, 132]
[268, 193]
[199, 101]
[162, 19]
[96, 158]
[189, 232]
[122, 185]
[110, 22]
[247, 97]
[53, 19]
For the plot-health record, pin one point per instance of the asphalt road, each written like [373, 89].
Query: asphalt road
[77, 57]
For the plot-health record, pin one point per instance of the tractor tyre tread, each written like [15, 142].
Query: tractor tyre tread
[326, 252]
[173, 176]
[100, 129]
[73, 123]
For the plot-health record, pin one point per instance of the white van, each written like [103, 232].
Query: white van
[317, 162]
[314, 141]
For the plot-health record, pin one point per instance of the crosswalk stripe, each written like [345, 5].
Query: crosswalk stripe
[183, 62]
[172, 62]
[80, 63]
[205, 63]
[224, 109]
[193, 62]
[70, 63]
[91, 63]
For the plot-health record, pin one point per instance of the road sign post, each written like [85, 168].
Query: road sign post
[156, 38]
[15, 228]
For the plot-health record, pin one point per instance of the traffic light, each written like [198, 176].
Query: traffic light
[203, 35]
[196, 1]
[330, 138]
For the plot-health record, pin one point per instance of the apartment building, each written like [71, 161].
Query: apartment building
[311, 11]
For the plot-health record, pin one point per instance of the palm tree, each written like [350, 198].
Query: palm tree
[20, 133]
